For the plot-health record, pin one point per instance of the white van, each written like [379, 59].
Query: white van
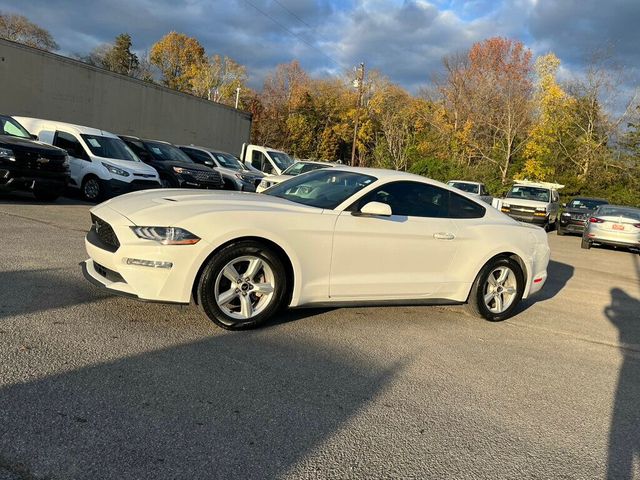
[101, 165]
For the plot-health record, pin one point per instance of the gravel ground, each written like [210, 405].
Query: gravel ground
[94, 386]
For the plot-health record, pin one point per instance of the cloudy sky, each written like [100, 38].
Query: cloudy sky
[405, 39]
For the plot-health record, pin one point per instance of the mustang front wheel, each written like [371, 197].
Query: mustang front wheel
[242, 286]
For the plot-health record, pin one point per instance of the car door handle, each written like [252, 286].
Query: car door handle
[444, 236]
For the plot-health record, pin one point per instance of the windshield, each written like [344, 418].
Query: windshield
[586, 203]
[283, 161]
[529, 193]
[109, 147]
[10, 127]
[465, 187]
[227, 160]
[607, 211]
[303, 167]
[325, 188]
[164, 152]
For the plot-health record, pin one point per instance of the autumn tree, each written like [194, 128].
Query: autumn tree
[178, 57]
[217, 79]
[18, 28]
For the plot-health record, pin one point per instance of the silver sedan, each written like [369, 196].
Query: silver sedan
[613, 225]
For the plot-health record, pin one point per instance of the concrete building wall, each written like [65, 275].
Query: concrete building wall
[39, 84]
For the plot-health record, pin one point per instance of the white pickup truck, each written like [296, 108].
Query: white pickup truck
[268, 160]
[532, 202]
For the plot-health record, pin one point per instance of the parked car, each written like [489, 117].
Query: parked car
[532, 202]
[575, 214]
[613, 225]
[235, 174]
[26, 164]
[335, 236]
[297, 168]
[265, 159]
[472, 188]
[100, 164]
[175, 168]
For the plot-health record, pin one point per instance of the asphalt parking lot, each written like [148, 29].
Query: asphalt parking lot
[94, 386]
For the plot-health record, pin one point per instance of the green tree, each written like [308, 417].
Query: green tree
[18, 28]
[217, 79]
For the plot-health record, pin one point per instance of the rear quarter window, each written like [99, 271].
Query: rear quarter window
[461, 207]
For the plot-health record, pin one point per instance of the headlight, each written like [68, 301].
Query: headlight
[242, 177]
[565, 214]
[540, 212]
[180, 170]
[115, 170]
[7, 154]
[264, 184]
[166, 235]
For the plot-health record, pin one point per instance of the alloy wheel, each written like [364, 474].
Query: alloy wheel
[244, 287]
[91, 189]
[500, 289]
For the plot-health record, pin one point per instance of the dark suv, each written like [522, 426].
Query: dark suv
[576, 213]
[29, 165]
[175, 168]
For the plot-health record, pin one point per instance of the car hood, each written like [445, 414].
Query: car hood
[522, 202]
[168, 207]
[18, 143]
[133, 167]
[244, 173]
[186, 165]
[583, 211]
[278, 178]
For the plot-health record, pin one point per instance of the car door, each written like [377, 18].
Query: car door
[79, 161]
[403, 256]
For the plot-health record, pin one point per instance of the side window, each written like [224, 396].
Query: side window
[411, 199]
[70, 144]
[257, 159]
[197, 156]
[460, 207]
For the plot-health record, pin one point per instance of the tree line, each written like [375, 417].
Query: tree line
[495, 114]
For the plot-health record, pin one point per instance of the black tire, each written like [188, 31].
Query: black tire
[91, 189]
[476, 304]
[207, 285]
[586, 244]
[44, 195]
[559, 231]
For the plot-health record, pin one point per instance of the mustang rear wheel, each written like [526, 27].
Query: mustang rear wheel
[497, 290]
[242, 286]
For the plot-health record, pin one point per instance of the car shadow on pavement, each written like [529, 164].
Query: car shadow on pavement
[23, 292]
[26, 198]
[558, 274]
[624, 435]
[238, 405]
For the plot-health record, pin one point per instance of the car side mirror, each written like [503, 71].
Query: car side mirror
[209, 163]
[376, 209]
[33, 137]
[564, 205]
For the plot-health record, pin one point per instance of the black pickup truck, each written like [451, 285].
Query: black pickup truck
[26, 164]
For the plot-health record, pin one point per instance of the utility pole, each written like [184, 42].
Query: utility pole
[359, 82]
[237, 97]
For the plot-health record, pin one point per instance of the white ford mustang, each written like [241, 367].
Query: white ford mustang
[331, 237]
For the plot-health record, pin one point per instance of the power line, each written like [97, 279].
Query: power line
[295, 34]
[294, 15]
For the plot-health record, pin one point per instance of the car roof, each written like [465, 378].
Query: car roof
[385, 174]
[471, 182]
[78, 129]
[206, 149]
[621, 207]
[590, 198]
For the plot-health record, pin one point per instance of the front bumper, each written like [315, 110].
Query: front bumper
[107, 265]
[24, 180]
[115, 187]
[536, 220]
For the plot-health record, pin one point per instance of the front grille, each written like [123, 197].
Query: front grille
[144, 175]
[578, 216]
[202, 176]
[38, 162]
[145, 183]
[105, 233]
[518, 209]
